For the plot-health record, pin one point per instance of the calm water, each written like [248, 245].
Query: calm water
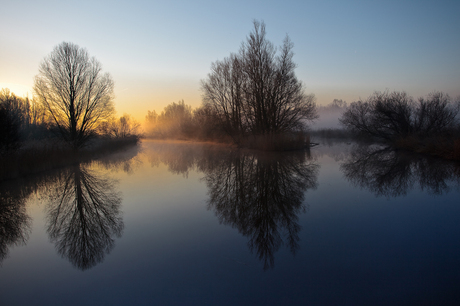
[195, 224]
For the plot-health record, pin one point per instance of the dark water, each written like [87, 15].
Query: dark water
[195, 224]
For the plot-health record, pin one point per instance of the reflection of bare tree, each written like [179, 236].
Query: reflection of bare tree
[387, 172]
[14, 222]
[261, 195]
[84, 216]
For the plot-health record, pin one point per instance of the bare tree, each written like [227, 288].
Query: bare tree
[436, 114]
[256, 91]
[387, 116]
[393, 116]
[72, 88]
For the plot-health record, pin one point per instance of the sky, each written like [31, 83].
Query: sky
[159, 51]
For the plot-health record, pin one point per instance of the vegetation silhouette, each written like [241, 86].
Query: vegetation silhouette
[252, 99]
[392, 173]
[14, 221]
[69, 117]
[430, 125]
[262, 196]
[256, 91]
[20, 119]
[74, 92]
[83, 216]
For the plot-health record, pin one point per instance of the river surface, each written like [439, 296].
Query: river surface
[175, 223]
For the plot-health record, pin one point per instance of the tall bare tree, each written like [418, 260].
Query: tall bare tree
[256, 91]
[75, 92]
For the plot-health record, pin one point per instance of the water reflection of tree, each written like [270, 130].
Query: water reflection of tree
[262, 196]
[84, 216]
[391, 173]
[14, 221]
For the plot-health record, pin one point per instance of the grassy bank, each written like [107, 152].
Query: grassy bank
[36, 157]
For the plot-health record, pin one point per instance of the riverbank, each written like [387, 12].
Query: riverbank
[40, 156]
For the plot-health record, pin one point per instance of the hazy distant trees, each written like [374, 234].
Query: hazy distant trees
[76, 94]
[123, 127]
[256, 91]
[329, 115]
[175, 121]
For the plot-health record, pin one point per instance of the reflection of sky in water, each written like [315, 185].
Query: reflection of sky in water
[355, 247]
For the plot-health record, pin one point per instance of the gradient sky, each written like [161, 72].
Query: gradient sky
[158, 51]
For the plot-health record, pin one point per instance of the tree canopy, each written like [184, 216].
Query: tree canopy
[75, 92]
[256, 91]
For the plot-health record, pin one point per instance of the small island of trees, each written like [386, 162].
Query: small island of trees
[429, 125]
[252, 99]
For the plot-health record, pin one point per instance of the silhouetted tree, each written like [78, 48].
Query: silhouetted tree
[435, 114]
[73, 90]
[392, 116]
[256, 91]
[383, 115]
[83, 216]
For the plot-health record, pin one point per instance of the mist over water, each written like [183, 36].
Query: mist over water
[328, 119]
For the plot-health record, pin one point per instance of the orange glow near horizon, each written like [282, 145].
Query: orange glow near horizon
[137, 100]
[19, 90]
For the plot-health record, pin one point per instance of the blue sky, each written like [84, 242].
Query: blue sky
[158, 51]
